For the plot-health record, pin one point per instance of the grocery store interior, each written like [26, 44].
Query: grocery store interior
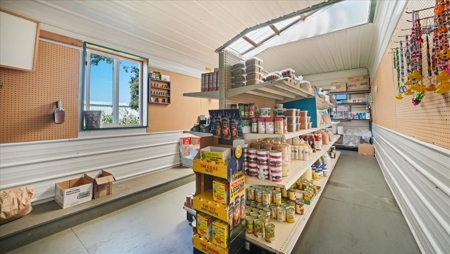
[317, 126]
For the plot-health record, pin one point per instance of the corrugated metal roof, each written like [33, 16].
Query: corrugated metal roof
[177, 35]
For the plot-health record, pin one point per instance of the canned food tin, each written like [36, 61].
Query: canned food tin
[264, 219]
[281, 214]
[258, 196]
[273, 211]
[290, 215]
[248, 210]
[270, 233]
[267, 198]
[284, 193]
[299, 208]
[258, 228]
[254, 215]
[253, 204]
[255, 210]
[291, 194]
[249, 224]
[251, 193]
[260, 206]
[277, 197]
[267, 213]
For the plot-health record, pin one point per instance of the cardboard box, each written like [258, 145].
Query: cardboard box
[338, 87]
[103, 184]
[358, 85]
[217, 154]
[220, 233]
[366, 149]
[357, 78]
[221, 191]
[74, 192]
[204, 225]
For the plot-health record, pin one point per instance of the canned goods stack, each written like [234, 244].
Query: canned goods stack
[263, 166]
[275, 165]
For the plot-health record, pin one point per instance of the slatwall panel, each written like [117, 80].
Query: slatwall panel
[430, 120]
[42, 164]
[27, 99]
[419, 177]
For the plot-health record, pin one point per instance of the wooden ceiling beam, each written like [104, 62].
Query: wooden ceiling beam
[250, 41]
[275, 29]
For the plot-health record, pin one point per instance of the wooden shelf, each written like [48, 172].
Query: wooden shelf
[162, 88]
[163, 81]
[287, 234]
[296, 169]
[204, 95]
[155, 95]
[349, 120]
[163, 103]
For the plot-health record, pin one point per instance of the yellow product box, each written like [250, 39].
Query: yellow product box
[217, 154]
[204, 225]
[221, 232]
[221, 191]
[204, 246]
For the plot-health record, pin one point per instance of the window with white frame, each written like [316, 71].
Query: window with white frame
[114, 89]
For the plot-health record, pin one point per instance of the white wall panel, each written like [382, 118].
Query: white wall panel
[419, 177]
[42, 164]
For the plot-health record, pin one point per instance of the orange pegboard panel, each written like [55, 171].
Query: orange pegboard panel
[27, 99]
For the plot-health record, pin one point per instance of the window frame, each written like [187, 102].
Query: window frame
[117, 55]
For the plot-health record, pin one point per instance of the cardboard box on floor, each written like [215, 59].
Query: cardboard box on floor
[366, 149]
[103, 184]
[74, 192]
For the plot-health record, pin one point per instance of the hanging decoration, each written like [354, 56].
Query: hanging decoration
[442, 51]
[397, 68]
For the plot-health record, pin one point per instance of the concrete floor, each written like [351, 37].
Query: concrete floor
[356, 214]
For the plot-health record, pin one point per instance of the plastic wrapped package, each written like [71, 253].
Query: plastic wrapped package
[366, 135]
[254, 75]
[253, 61]
[254, 68]
[238, 79]
[288, 73]
[240, 65]
[273, 76]
[238, 72]
[352, 137]
[253, 82]
[237, 84]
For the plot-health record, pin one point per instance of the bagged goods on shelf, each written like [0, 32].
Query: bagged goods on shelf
[254, 75]
[273, 76]
[254, 61]
[238, 79]
[238, 71]
[288, 73]
[306, 85]
[238, 84]
[240, 65]
[254, 68]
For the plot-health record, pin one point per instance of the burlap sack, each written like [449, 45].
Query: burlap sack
[15, 203]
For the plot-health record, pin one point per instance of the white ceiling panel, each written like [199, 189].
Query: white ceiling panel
[186, 33]
[341, 50]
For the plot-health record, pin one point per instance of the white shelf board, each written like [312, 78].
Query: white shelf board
[278, 90]
[322, 104]
[285, 135]
[204, 95]
[287, 234]
[190, 210]
[296, 169]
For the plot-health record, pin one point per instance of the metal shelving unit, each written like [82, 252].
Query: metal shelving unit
[204, 95]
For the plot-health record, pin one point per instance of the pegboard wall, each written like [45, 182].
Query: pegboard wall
[430, 120]
[27, 99]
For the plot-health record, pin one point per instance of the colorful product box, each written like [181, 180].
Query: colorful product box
[217, 154]
[221, 189]
[220, 233]
[204, 225]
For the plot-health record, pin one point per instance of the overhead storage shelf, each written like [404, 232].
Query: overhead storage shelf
[204, 95]
[323, 104]
[296, 169]
[278, 90]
